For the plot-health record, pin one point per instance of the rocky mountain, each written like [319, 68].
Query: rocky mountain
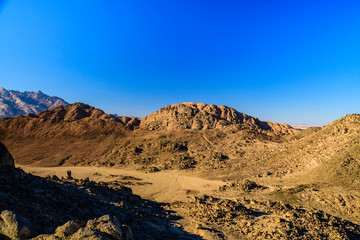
[201, 116]
[13, 103]
[75, 119]
[86, 134]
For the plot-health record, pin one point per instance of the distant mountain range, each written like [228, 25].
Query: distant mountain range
[13, 103]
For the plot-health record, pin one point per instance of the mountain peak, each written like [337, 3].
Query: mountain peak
[13, 103]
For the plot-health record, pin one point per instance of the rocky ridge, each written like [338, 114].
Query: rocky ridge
[201, 116]
[87, 135]
[75, 119]
[322, 149]
[13, 103]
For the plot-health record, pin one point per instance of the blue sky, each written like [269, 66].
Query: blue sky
[295, 62]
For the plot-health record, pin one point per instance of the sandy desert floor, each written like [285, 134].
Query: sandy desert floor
[176, 189]
[164, 186]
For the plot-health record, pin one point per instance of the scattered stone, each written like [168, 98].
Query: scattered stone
[245, 186]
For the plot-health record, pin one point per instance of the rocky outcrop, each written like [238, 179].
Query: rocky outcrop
[13, 103]
[6, 160]
[201, 116]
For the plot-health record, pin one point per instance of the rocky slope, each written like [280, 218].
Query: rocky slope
[200, 116]
[244, 218]
[68, 208]
[13, 103]
[323, 168]
[335, 144]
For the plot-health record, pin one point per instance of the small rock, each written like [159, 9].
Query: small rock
[199, 226]
[67, 229]
[55, 178]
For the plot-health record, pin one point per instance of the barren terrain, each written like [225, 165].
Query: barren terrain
[166, 186]
[217, 173]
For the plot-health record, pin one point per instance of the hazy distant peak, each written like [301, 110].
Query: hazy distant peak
[13, 103]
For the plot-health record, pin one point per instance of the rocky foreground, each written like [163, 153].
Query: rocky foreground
[32, 207]
[36, 208]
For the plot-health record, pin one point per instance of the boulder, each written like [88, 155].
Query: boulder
[89, 234]
[108, 225]
[14, 226]
[103, 228]
[6, 160]
[67, 229]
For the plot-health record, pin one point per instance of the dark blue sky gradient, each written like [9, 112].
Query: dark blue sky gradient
[296, 62]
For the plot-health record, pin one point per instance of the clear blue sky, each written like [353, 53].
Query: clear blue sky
[296, 62]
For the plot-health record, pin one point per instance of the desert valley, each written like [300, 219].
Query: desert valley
[186, 171]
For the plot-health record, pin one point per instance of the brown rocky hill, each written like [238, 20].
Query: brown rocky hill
[325, 165]
[201, 116]
[337, 141]
[75, 119]
[75, 132]
[80, 134]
